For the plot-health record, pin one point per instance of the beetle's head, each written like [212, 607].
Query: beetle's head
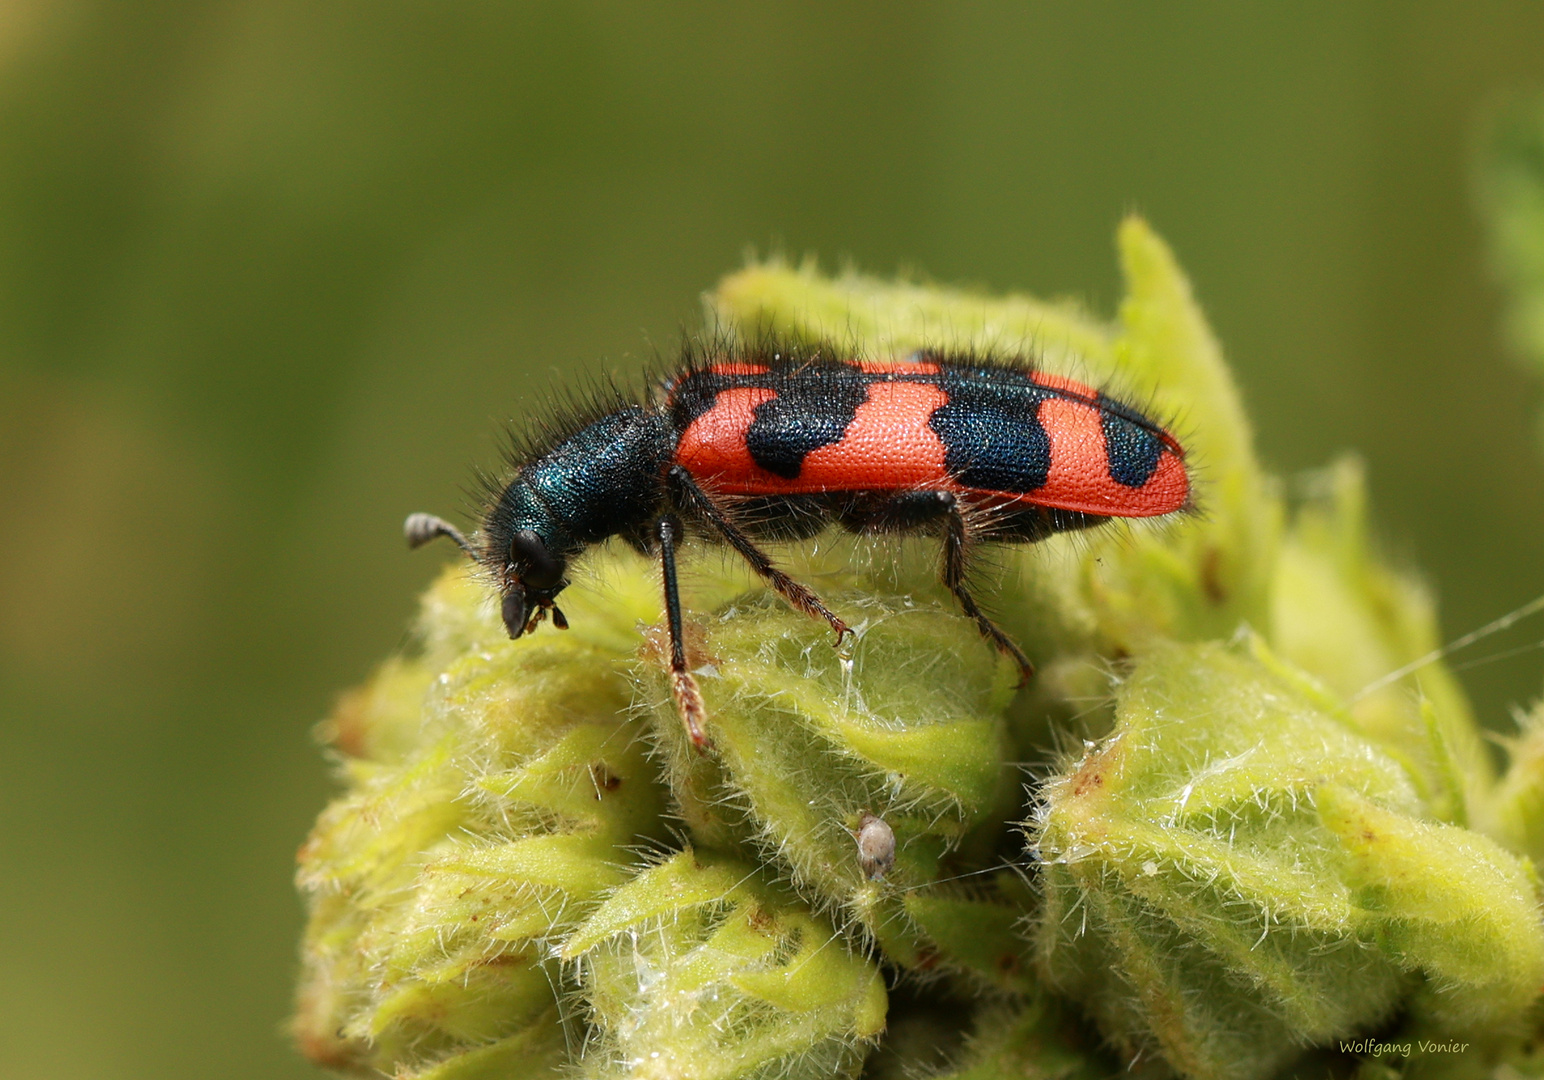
[531, 575]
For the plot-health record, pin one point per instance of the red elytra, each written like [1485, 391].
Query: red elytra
[888, 444]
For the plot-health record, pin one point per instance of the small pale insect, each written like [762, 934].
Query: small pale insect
[876, 846]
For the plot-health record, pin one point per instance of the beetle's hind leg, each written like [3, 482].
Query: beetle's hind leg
[956, 557]
[690, 496]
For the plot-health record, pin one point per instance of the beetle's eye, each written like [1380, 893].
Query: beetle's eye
[538, 569]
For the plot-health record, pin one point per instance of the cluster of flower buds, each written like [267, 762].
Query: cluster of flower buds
[1210, 840]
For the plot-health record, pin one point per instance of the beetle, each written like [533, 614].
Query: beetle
[776, 441]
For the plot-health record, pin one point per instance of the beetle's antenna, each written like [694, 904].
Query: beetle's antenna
[421, 528]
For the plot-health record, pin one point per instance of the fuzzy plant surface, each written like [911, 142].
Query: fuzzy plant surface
[1210, 840]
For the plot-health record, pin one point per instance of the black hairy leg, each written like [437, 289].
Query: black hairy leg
[956, 558]
[689, 496]
[683, 685]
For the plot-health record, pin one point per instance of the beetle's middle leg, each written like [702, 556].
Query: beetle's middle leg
[691, 497]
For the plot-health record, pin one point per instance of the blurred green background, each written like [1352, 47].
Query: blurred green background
[273, 272]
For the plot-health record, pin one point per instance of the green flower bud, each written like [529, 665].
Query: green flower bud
[1519, 800]
[699, 968]
[1264, 854]
[537, 1050]
[1342, 615]
[1210, 574]
[378, 722]
[1443, 902]
[438, 878]
[809, 743]
[1037, 1038]
[1235, 873]
[896, 318]
[1074, 599]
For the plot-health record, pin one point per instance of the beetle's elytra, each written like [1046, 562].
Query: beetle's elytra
[778, 441]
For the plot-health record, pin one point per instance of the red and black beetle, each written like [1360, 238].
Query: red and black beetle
[779, 441]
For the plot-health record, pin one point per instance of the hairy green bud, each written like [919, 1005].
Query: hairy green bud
[439, 877]
[1105, 592]
[1235, 873]
[1344, 616]
[1282, 841]
[697, 967]
[1039, 1038]
[907, 730]
[1519, 799]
